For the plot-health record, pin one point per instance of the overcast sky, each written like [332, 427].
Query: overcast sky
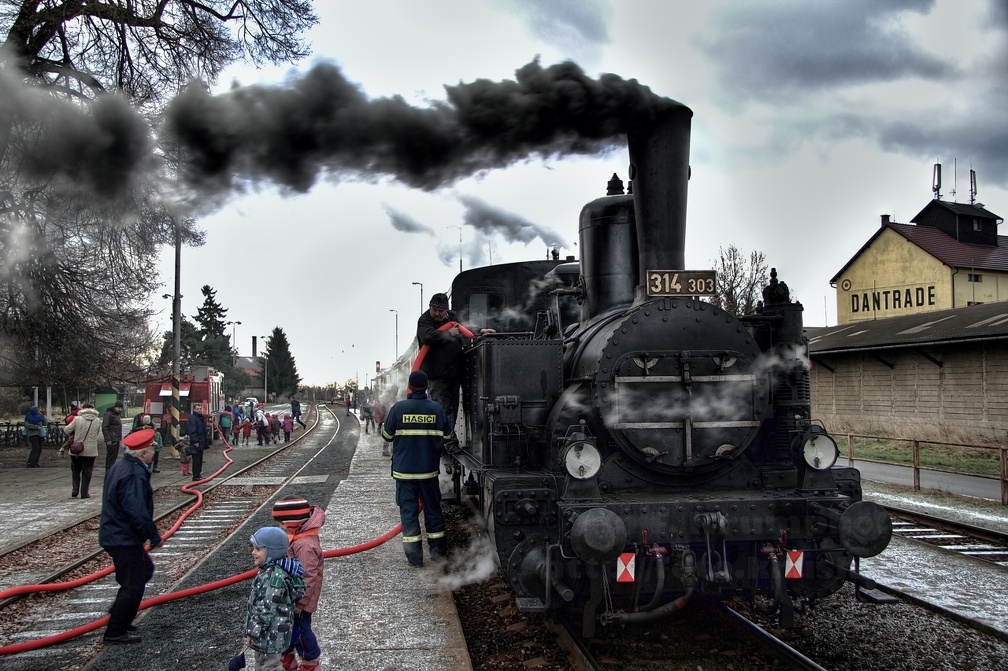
[811, 119]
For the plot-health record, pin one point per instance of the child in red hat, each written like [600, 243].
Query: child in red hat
[302, 522]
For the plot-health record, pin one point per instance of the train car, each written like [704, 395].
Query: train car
[628, 444]
[203, 385]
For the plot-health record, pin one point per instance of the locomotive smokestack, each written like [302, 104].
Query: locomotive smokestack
[659, 168]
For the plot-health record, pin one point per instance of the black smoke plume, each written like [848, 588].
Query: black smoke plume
[321, 123]
[102, 149]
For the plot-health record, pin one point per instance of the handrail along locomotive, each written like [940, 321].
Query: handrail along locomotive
[629, 444]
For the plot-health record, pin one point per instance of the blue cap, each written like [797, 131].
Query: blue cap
[273, 539]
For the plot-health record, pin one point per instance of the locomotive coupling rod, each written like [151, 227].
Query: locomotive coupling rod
[848, 575]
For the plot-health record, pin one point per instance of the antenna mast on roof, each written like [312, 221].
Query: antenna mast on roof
[936, 181]
[973, 187]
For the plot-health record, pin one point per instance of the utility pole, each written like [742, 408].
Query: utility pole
[176, 336]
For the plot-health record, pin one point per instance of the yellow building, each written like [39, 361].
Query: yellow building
[952, 257]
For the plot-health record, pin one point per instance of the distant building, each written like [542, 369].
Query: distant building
[936, 376]
[952, 257]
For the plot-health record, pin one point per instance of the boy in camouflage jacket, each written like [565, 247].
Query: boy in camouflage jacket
[276, 588]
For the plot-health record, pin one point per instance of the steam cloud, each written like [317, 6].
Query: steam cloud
[486, 220]
[489, 219]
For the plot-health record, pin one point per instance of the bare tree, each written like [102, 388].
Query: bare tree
[79, 264]
[145, 49]
[740, 280]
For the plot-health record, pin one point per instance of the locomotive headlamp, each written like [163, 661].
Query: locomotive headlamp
[819, 451]
[582, 460]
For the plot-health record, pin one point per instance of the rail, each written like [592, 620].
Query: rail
[915, 465]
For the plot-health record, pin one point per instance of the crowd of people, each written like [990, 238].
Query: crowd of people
[285, 592]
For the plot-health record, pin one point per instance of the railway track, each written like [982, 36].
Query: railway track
[223, 505]
[721, 638]
[972, 541]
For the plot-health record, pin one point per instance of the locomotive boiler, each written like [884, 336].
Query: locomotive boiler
[629, 444]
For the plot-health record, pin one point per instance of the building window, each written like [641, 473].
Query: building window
[968, 303]
[974, 277]
[977, 226]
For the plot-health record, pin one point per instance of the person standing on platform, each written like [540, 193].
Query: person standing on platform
[276, 589]
[275, 422]
[367, 414]
[145, 422]
[287, 425]
[224, 422]
[34, 427]
[302, 522]
[112, 433]
[84, 428]
[198, 439]
[75, 408]
[443, 360]
[417, 429]
[246, 430]
[127, 522]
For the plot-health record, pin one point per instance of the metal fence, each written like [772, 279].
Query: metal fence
[12, 434]
[916, 467]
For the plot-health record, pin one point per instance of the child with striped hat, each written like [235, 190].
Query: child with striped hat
[302, 522]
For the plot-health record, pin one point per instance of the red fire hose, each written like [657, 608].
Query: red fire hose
[423, 350]
[171, 596]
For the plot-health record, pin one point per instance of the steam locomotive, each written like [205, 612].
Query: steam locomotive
[628, 444]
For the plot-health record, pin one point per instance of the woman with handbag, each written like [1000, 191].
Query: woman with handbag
[82, 437]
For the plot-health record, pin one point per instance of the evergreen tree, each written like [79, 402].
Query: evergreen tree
[189, 344]
[215, 346]
[283, 379]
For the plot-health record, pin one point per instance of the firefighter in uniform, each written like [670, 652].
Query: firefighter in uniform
[417, 429]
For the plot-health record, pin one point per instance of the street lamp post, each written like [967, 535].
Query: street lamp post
[234, 341]
[265, 372]
[420, 284]
[396, 332]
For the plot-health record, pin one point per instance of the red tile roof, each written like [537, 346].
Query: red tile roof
[945, 248]
[953, 253]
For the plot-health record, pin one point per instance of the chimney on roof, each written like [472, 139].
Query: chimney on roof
[885, 220]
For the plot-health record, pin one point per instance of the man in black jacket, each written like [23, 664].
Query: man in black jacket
[127, 522]
[443, 360]
[198, 439]
[296, 411]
